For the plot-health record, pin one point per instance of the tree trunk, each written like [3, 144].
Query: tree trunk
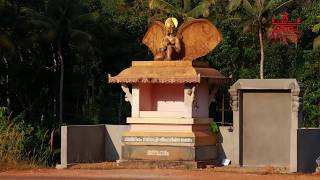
[54, 57]
[261, 54]
[7, 84]
[61, 83]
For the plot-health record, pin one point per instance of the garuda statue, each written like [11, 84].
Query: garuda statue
[194, 39]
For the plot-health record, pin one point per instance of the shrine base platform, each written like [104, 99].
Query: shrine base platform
[166, 164]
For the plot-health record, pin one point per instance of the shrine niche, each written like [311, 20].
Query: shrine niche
[170, 96]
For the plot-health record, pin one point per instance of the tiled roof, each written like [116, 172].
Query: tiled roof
[167, 72]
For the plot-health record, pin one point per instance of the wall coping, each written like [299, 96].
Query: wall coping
[267, 84]
[285, 84]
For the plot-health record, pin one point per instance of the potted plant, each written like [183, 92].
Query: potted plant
[214, 129]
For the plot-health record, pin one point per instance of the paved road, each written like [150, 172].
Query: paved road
[152, 174]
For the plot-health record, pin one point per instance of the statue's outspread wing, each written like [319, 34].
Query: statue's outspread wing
[199, 37]
[154, 37]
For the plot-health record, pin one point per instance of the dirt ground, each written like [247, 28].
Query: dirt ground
[126, 174]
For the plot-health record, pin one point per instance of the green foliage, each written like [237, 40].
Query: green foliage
[21, 142]
[316, 29]
[310, 22]
[255, 19]
[184, 10]
[310, 75]
[281, 60]
[237, 55]
[214, 128]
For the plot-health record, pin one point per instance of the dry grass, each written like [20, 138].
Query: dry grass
[21, 145]
[22, 165]
[11, 144]
[11, 149]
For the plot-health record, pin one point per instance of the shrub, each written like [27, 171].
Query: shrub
[213, 127]
[21, 142]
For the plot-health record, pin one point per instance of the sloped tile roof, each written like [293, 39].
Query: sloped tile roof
[167, 72]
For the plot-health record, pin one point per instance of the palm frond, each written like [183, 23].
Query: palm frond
[202, 9]
[29, 12]
[233, 5]
[36, 23]
[316, 43]
[80, 40]
[259, 5]
[198, 11]
[88, 18]
[316, 28]
[78, 35]
[162, 5]
[249, 8]
[34, 15]
[187, 5]
[211, 2]
[276, 4]
[233, 19]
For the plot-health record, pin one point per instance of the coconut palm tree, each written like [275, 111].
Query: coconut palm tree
[58, 27]
[256, 19]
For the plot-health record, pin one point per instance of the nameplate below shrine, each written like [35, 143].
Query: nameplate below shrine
[158, 139]
[168, 152]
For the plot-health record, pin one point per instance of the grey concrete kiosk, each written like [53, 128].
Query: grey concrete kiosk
[266, 117]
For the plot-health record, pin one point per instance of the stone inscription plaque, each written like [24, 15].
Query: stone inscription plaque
[157, 153]
[175, 153]
[158, 139]
[138, 152]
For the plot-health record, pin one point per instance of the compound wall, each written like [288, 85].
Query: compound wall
[91, 143]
